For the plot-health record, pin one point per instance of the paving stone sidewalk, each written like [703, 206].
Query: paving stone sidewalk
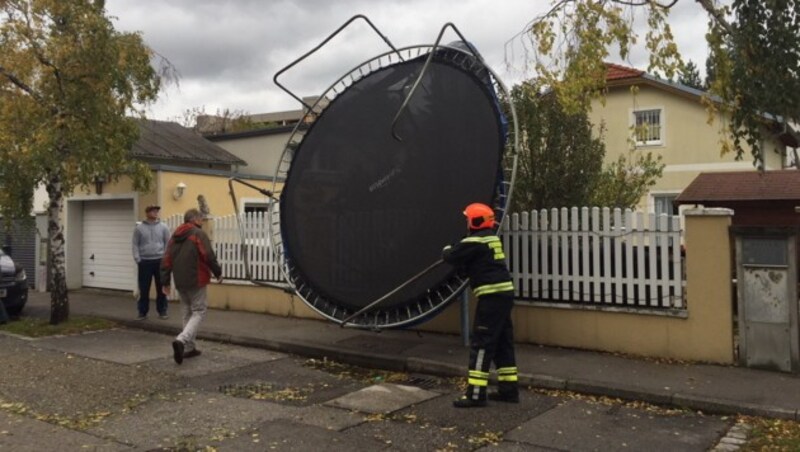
[709, 388]
[120, 390]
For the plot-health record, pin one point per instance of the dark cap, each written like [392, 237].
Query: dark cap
[152, 207]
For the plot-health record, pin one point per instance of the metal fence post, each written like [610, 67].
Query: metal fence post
[465, 317]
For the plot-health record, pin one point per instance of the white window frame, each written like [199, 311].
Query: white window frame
[662, 126]
[665, 194]
[252, 202]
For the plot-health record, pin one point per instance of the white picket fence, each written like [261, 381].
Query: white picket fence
[227, 245]
[596, 256]
[587, 256]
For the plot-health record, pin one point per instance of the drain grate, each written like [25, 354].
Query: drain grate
[423, 381]
[245, 390]
[267, 391]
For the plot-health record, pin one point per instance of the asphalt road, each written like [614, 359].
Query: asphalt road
[121, 390]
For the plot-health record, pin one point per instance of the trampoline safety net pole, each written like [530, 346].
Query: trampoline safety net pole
[465, 317]
[366, 308]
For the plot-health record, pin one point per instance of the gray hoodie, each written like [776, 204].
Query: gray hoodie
[150, 240]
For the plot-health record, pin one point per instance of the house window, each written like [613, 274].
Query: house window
[253, 207]
[648, 127]
[664, 204]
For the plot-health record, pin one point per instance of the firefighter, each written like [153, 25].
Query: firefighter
[480, 257]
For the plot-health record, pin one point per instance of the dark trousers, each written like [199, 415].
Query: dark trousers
[148, 270]
[492, 340]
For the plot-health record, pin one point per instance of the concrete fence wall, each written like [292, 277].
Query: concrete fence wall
[701, 332]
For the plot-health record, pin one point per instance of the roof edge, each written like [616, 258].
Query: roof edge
[252, 133]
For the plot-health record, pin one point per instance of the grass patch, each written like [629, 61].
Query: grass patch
[772, 434]
[36, 327]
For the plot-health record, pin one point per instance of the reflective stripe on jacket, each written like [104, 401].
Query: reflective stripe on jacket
[480, 257]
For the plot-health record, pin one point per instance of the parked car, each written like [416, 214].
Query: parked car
[13, 285]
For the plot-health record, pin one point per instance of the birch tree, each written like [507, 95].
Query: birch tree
[71, 87]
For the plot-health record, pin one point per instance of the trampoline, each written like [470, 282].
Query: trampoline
[370, 192]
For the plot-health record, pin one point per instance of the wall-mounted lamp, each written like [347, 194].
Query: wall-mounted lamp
[98, 184]
[179, 189]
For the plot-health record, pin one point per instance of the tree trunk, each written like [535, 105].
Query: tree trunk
[59, 300]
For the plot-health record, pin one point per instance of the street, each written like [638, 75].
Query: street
[120, 389]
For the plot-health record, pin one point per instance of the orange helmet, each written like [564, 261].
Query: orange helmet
[479, 216]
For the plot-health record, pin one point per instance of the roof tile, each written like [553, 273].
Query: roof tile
[618, 72]
[171, 141]
[742, 186]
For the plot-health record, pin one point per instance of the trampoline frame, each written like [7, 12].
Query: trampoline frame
[436, 298]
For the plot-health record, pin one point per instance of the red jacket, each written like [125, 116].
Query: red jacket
[189, 258]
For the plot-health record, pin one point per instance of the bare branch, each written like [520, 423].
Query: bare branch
[527, 28]
[37, 50]
[166, 70]
[717, 14]
[646, 2]
[21, 85]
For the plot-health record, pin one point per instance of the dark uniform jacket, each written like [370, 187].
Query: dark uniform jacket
[480, 257]
[189, 258]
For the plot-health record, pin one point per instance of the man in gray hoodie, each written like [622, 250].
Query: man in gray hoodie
[149, 243]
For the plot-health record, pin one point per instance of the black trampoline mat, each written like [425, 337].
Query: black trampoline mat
[361, 212]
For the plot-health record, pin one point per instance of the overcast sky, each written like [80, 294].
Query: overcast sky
[227, 52]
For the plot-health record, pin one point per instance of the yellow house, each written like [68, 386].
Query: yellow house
[672, 122]
[99, 222]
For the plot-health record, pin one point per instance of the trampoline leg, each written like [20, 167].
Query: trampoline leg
[465, 318]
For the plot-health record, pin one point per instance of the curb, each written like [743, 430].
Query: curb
[722, 406]
[705, 404]
[620, 392]
[430, 367]
[543, 381]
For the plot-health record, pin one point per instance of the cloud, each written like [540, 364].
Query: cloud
[227, 52]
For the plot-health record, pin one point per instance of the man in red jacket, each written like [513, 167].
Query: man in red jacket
[191, 260]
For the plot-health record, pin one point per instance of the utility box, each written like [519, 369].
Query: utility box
[766, 271]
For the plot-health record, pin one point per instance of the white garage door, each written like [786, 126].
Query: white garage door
[107, 231]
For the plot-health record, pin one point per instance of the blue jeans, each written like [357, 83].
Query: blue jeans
[149, 269]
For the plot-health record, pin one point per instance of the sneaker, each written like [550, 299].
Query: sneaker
[177, 351]
[192, 353]
[465, 402]
[141, 317]
[163, 316]
[500, 397]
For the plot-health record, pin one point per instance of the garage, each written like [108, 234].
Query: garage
[106, 253]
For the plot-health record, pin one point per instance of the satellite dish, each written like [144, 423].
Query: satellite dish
[373, 180]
